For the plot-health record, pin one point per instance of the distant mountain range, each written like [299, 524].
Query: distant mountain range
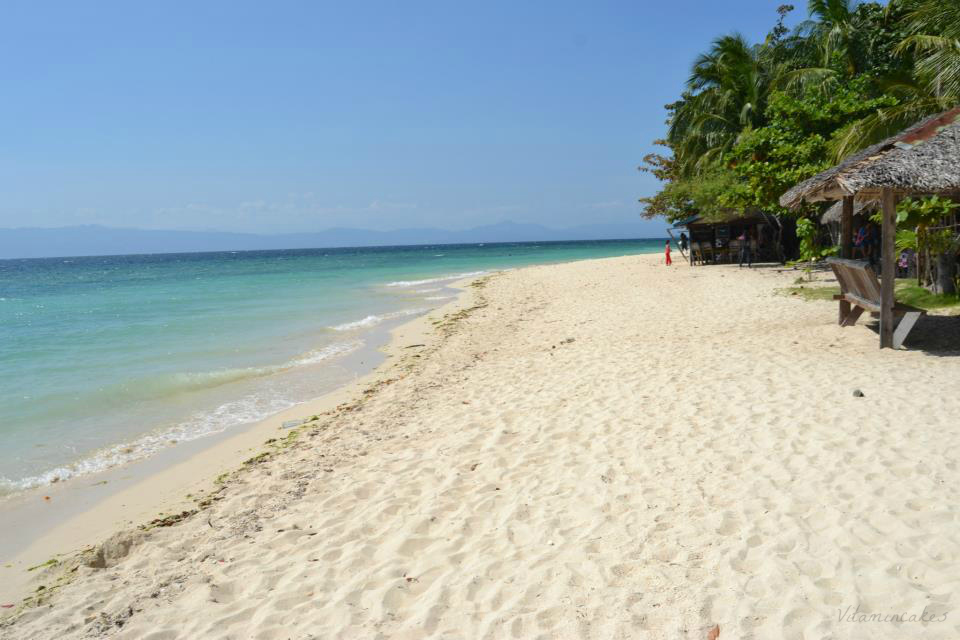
[93, 240]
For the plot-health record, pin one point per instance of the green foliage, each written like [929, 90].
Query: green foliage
[916, 215]
[726, 93]
[906, 240]
[940, 241]
[853, 39]
[807, 232]
[810, 250]
[933, 39]
[794, 144]
[913, 212]
[909, 292]
[755, 119]
[682, 197]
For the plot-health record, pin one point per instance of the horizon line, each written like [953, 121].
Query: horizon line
[350, 248]
[95, 225]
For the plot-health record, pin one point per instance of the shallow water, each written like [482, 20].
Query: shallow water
[109, 359]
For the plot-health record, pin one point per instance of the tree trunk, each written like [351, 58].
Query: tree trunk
[945, 266]
[918, 258]
[846, 228]
[780, 255]
[888, 266]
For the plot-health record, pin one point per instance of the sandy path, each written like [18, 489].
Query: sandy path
[606, 449]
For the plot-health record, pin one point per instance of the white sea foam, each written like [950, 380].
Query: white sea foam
[319, 355]
[208, 379]
[414, 283]
[439, 297]
[200, 425]
[374, 320]
[251, 408]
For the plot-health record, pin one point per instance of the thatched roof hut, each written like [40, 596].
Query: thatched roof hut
[835, 212]
[923, 159]
[716, 238]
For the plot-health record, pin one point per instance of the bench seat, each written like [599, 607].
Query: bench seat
[860, 291]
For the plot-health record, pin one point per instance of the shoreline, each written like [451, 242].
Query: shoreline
[173, 480]
[601, 448]
[83, 423]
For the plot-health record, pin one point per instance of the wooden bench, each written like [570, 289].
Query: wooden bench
[860, 291]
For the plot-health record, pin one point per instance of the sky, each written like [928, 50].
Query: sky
[278, 117]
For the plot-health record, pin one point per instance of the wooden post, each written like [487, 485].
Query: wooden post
[889, 267]
[846, 228]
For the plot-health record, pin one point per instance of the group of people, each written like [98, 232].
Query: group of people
[866, 246]
[683, 248]
[746, 249]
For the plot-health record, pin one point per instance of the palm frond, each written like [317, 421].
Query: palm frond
[809, 79]
[880, 125]
[927, 43]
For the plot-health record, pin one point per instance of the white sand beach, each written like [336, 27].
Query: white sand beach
[599, 449]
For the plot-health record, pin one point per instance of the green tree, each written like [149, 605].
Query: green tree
[755, 119]
[794, 145]
[851, 39]
[726, 93]
[832, 26]
[927, 80]
[934, 41]
[923, 230]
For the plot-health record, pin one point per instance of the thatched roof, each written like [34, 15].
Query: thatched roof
[725, 216]
[834, 213]
[922, 159]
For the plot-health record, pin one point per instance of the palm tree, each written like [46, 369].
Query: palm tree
[934, 41]
[726, 94]
[829, 33]
[832, 26]
[933, 84]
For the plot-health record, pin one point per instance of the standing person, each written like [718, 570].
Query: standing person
[858, 243]
[683, 242]
[667, 253]
[872, 243]
[745, 249]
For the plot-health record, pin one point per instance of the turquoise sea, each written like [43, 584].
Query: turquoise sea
[104, 360]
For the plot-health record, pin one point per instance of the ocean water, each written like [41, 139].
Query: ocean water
[104, 360]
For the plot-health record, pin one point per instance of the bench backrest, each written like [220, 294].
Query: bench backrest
[856, 278]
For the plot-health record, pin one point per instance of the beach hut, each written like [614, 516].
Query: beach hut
[832, 219]
[922, 160]
[717, 240]
[834, 214]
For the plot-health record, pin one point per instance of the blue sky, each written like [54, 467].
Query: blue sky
[299, 116]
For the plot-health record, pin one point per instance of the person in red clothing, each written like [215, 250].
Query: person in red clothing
[667, 253]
